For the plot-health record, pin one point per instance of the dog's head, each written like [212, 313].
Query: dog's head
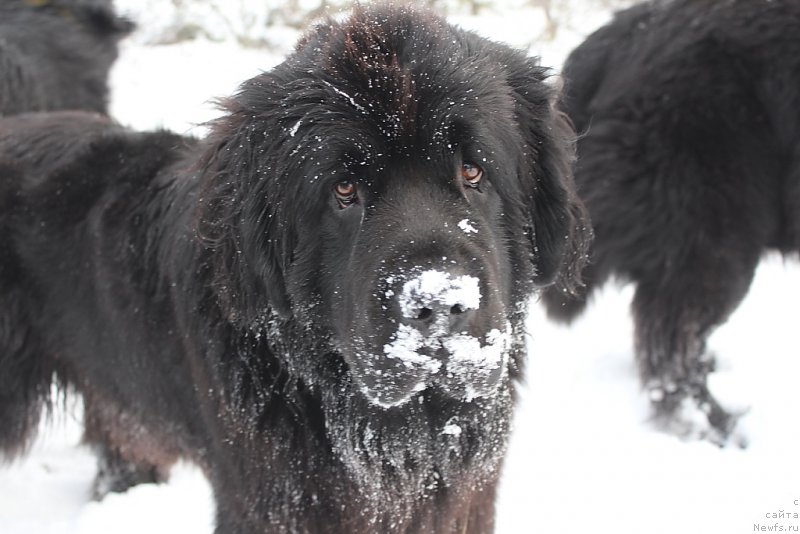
[97, 17]
[404, 186]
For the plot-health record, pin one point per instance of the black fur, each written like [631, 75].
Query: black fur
[689, 165]
[56, 54]
[214, 301]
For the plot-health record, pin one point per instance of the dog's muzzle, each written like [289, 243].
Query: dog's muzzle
[445, 332]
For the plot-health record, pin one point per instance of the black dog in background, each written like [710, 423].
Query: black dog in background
[56, 54]
[689, 165]
[323, 303]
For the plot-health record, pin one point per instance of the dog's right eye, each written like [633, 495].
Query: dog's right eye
[346, 193]
[472, 174]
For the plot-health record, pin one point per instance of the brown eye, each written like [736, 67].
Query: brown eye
[471, 173]
[346, 193]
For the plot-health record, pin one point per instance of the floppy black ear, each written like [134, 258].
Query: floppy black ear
[240, 218]
[558, 225]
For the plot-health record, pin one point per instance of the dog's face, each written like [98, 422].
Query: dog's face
[406, 188]
[417, 278]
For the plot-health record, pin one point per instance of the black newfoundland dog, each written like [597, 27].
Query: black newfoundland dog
[322, 303]
[689, 165]
[56, 54]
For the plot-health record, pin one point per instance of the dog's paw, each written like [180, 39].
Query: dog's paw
[691, 412]
[115, 475]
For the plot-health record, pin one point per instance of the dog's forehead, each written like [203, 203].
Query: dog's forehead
[399, 68]
[380, 41]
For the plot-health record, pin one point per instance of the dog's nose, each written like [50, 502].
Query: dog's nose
[450, 318]
[438, 302]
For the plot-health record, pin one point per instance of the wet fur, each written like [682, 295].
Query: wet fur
[689, 164]
[191, 291]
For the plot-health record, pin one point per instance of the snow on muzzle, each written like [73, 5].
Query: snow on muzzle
[442, 333]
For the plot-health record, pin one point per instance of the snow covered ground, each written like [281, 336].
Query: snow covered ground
[583, 457]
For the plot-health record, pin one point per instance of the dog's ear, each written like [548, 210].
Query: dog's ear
[240, 217]
[557, 224]
[100, 18]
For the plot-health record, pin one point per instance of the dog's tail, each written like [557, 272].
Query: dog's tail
[26, 373]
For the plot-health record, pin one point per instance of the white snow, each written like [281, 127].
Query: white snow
[472, 364]
[467, 354]
[452, 428]
[583, 457]
[432, 286]
[467, 226]
[347, 97]
[405, 346]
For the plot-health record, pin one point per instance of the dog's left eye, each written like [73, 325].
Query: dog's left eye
[346, 193]
[471, 173]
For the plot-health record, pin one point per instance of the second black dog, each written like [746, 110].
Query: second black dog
[689, 165]
[57, 54]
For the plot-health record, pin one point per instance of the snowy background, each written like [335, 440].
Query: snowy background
[583, 457]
